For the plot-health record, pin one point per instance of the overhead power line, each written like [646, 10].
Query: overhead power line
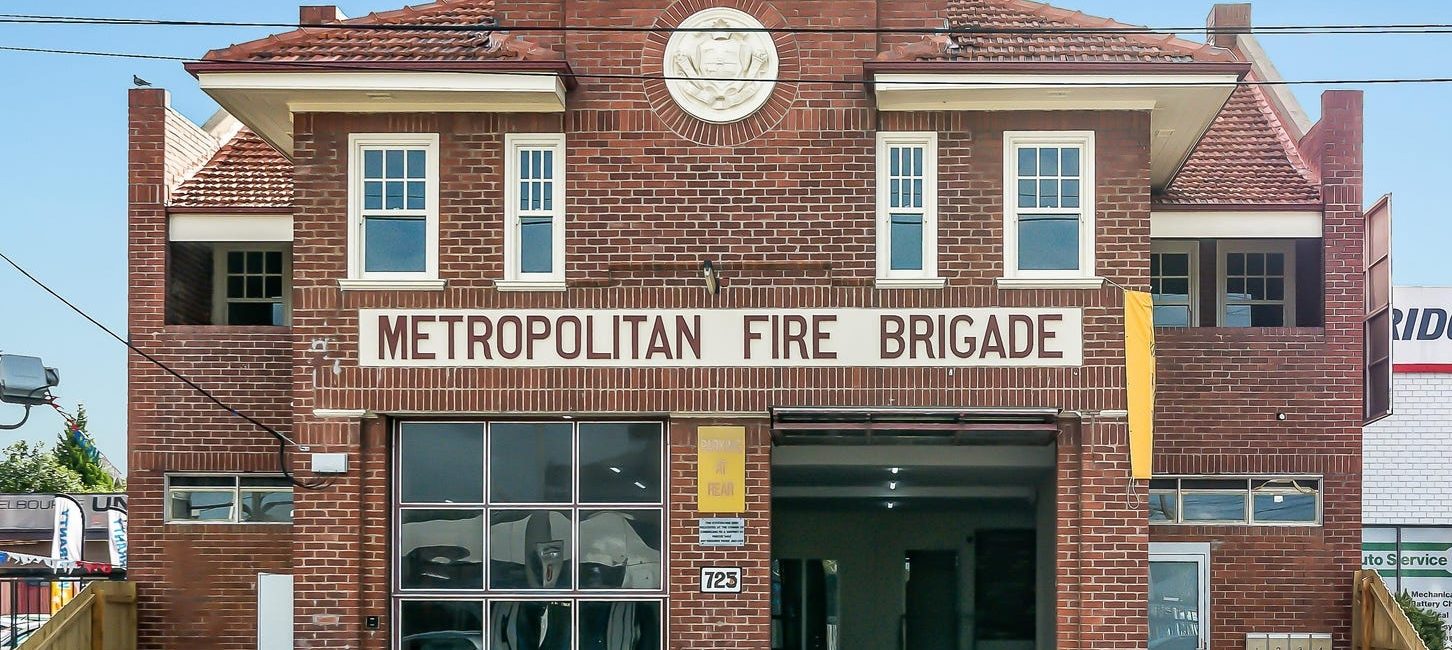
[363, 66]
[282, 440]
[1363, 28]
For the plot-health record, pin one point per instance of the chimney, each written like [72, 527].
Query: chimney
[318, 14]
[1225, 22]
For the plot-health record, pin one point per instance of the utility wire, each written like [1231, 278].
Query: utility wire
[365, 66]
[283, 440]
[1364, 28]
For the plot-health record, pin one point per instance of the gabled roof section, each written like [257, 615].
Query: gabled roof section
[1017, 46]
[370, 40]
[245, 173]
[1246, 157]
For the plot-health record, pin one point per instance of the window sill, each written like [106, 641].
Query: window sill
[359, 284]
[910, 283]
[529, 285]
[1050, 283]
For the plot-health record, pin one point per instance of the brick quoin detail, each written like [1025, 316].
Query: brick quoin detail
[784, 204]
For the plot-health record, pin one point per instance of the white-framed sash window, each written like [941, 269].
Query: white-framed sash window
[534, 212]
[1179, 595]
[1174, 282]
[1257, 283]
[1048, 226]
[393, 195]
[907, 210]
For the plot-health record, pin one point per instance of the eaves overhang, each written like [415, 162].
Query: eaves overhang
[1182, 99]
[265, 95]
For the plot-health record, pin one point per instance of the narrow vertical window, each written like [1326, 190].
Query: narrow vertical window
[907, 184]
[534, 196]
[1048, 196]
[1172, 282]
[393, 198]
[1257, 284]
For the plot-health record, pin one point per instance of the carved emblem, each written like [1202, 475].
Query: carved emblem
[717, 72]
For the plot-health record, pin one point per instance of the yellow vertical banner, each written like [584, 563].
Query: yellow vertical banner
[721, 469]
[1139, 379]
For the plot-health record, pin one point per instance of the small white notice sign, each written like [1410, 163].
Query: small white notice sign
[721, 531]
[720, 580]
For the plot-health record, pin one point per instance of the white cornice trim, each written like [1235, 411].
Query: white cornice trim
[910, 283]
[1215, 224]
[230, 227]
[529, 285]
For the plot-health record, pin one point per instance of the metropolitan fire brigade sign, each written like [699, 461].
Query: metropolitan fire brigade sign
[978, 337]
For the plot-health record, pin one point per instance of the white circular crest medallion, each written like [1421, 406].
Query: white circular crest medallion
[720, 76]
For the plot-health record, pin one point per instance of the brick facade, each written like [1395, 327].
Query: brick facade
[786, 211]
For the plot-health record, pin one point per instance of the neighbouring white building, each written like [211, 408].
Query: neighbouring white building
[1407, 458]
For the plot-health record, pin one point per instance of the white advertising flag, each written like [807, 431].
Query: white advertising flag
[116, 537]
[70, 529]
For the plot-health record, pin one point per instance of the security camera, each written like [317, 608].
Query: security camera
[25, 380]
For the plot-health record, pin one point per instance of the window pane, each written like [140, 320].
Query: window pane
[373, 195]
[906, 242]
[1275, 263]
[529, 549]
[1048, 194]
[620, 625]
[430, 450]
[1255, 288]
[620, 462]
[1255, 264]
[441, 549]
[1175, 264]
[394, 245]
[416, 162]
[274, 261]
[415, 200]
[1284, 507]
[1028, 161]
[1237, 315]
[1235, 288]
[1071, 161]
[441, 625]
[1048, 242]
[268, 506]
[253, 313]
[1235, 264]
[530, 462]
[620, 549]
[373, 163]
[201, 481]
[536, 245]
[1175, 287]
[393, 195]
[1162, 506]
[1048, 161]
[1202, 506]
[1275, 289]
[530, 624]
[273, 288]
[201, 506]
[1069, 193]
[393, 163]
[1028, 195]
[254, 286]
[235, 262]
[279, 314]
[1174, 608]
[1171, 316]
[1267, 316]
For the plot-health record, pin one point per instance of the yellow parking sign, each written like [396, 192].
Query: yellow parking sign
[721, 469]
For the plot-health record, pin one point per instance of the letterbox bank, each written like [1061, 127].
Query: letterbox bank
[746, 324]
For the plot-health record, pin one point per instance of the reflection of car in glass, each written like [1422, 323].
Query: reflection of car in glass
[447, 640]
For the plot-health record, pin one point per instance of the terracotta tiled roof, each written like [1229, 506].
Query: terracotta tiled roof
[1245, 157]
[1060, 46]
[245, 173]
[325, 44]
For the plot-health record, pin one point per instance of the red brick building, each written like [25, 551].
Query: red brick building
[743, 324]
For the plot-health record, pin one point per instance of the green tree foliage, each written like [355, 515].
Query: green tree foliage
[28, 468]
[76, 450]
[1429, 624]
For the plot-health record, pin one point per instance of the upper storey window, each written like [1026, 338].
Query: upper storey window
[907, 207]
[393, 206]
[1172, 282]
[1049, 199]
[534, 212]
[1257, 282]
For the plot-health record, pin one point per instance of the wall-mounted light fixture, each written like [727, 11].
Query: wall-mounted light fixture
[713, 281]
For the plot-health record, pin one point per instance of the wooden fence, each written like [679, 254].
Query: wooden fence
[101, 617]
[1377, 621]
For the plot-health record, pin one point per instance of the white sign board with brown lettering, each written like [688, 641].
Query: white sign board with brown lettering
[978, 337]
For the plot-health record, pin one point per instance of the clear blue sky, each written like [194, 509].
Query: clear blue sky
[63, 168]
